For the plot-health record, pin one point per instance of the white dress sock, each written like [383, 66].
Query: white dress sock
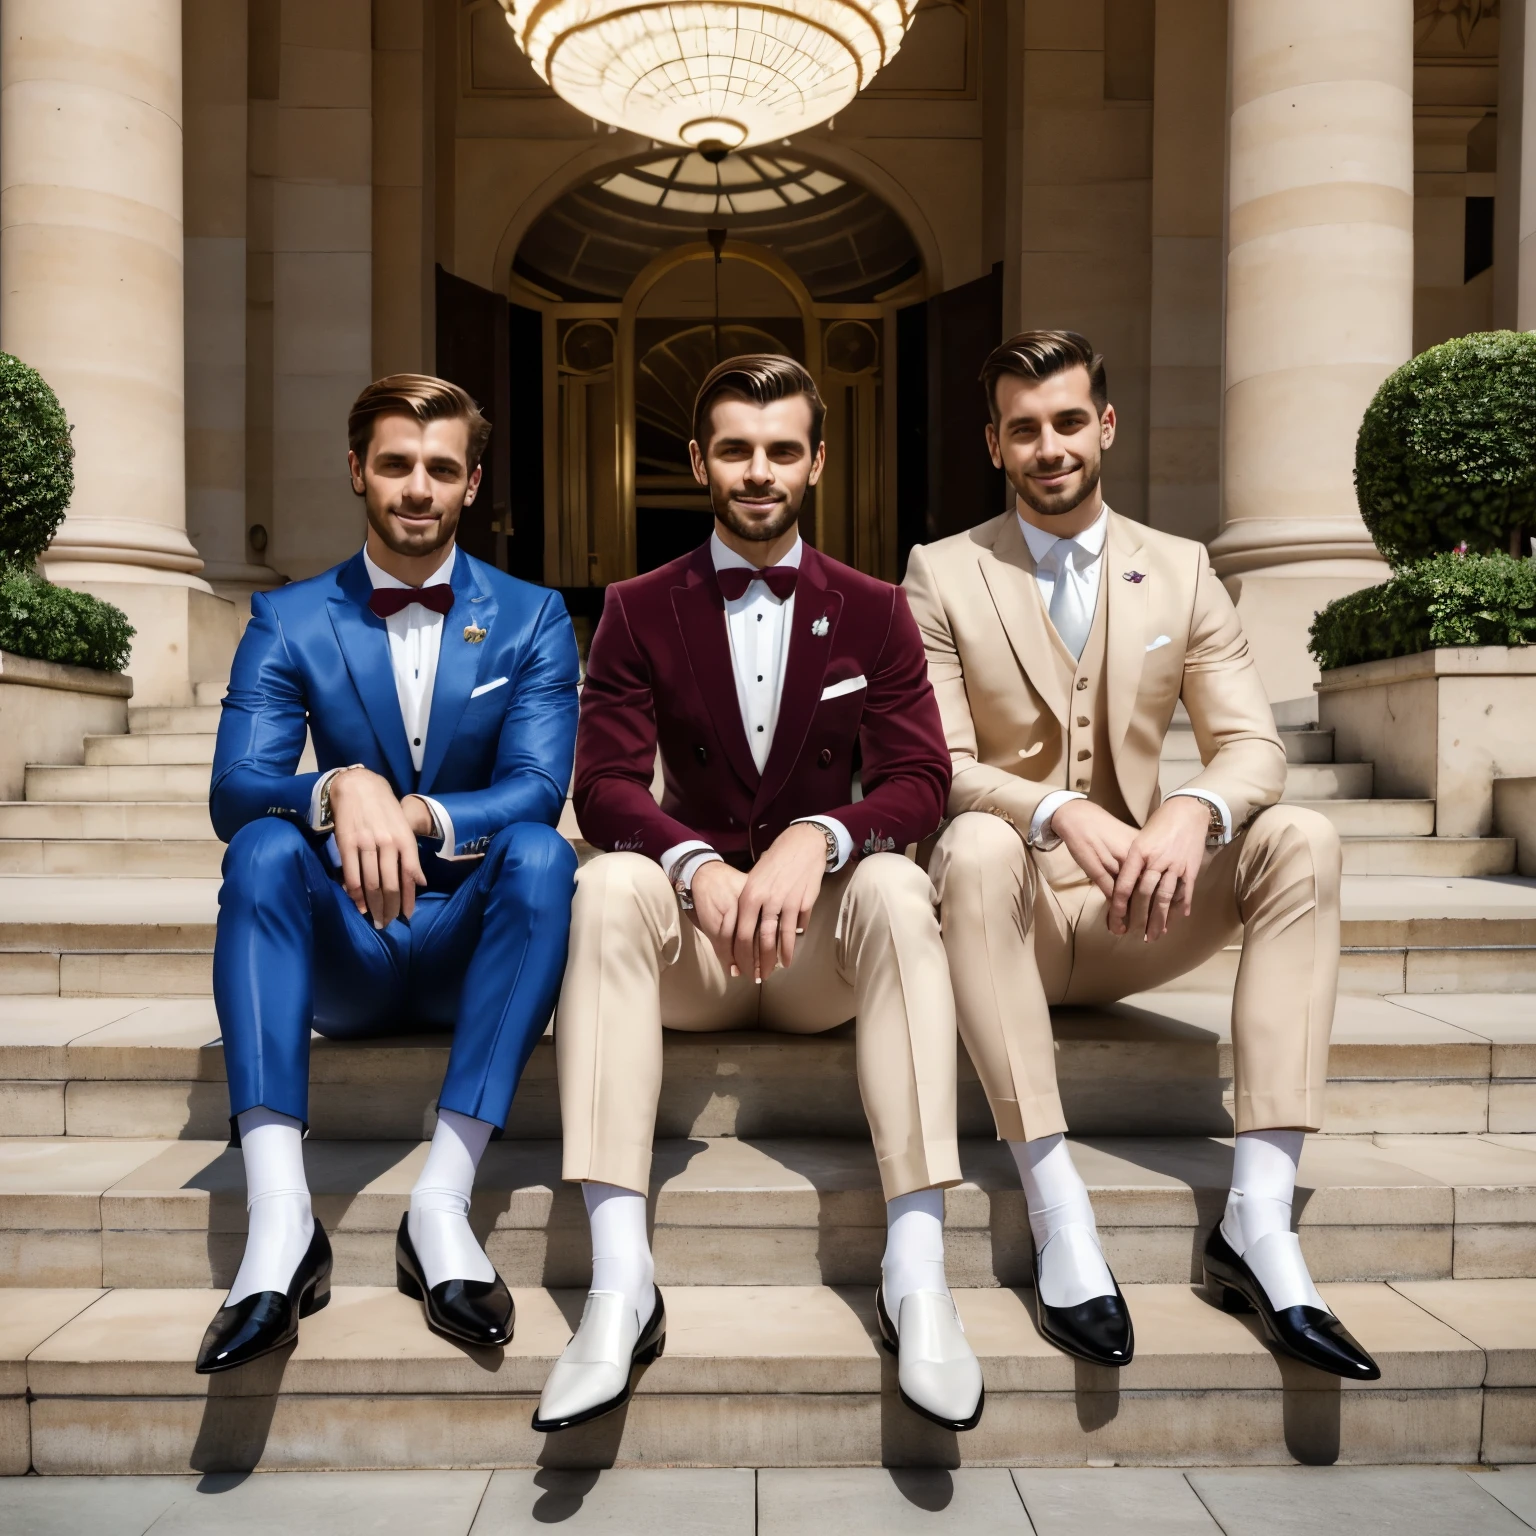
[1072, 1267]
[621, 1250]
[1257, 1222]
[281, 1222]
[914, 1248]
[439, 1216]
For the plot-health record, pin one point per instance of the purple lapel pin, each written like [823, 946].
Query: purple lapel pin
[1136, 576]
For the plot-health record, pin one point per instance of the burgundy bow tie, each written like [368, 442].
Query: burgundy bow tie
[390, 600]
[735, 579]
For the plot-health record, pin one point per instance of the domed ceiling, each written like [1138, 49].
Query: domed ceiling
[842, 241]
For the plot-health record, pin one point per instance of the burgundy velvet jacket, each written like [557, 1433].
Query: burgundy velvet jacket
[659, 674]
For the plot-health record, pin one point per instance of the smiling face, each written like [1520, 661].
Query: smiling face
[758, 465]
[1049, 439]
[414, 484]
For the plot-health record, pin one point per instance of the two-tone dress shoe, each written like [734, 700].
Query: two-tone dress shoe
[467, 1311]
[1315, 1337]
[1097, 1330]
[937, 1373]
[265, 1321]
[594, 1374]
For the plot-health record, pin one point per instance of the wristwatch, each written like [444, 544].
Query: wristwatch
[675, 876]
[327, 820]
[831, 837]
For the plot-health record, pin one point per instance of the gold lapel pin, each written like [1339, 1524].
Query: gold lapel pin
[474, 634]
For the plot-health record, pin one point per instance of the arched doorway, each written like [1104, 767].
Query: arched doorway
[649, 273]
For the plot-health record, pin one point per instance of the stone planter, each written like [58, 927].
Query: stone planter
[1439, 725]
[47, 710]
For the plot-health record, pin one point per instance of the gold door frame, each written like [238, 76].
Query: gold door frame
[626, 362]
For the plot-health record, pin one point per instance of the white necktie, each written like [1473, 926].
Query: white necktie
[1071, 610]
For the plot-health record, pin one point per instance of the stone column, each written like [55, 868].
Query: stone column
[1525, 63]
[91, 248]
[1319, 304]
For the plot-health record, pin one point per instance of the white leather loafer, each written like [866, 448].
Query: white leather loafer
[593, 1375]
[937, 1372]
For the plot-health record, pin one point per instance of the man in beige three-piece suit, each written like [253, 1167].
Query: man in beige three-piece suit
[1060, 639]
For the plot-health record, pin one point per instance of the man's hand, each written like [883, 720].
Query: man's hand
[776, 900]
[715, 890]
[1160, 869]
[376, 837]
[1097, 841]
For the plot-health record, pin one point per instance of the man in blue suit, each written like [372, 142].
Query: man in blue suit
[415, 880]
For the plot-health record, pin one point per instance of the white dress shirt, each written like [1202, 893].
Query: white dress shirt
[758, 625]
[1084, 563]
[415, 640]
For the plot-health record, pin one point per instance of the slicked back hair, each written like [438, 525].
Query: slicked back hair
[419, 395]
[1041, 355]
[759, 378]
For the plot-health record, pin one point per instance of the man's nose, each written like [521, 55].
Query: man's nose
[419, 486]
[1049, 446]
[760, 470]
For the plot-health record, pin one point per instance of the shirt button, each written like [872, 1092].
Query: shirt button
[759, 730]
[1084, 755]
[417, 742]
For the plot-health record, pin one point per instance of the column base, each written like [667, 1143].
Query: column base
[236, 580]
[185, 636]
[1277, 606]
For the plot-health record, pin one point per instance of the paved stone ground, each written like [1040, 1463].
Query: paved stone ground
[1261, 1501]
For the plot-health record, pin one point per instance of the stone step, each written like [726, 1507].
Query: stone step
[1301, 746]
[1155, 1065]
[145, 781]
[102, 1382]
[1303, 781]
[138, 751]
[123, 856]
[207, 695]
[1377, 818]
[154, 720]
[1435, 856]
[106, 820]
[83, 1212]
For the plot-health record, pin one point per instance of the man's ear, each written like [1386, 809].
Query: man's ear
[994, 447]
[476, 475]
[818, 462]
[355, 467]
[696, 458]
[1107, 427]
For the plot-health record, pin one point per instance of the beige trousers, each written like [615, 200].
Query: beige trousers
[1025, 930]
[638, 964]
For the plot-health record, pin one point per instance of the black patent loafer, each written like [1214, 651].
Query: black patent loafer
[1097, 1330]
[1315, 1338]
[267, 1321]
[466, 1311]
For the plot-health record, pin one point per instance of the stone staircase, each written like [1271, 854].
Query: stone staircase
[122, 1214]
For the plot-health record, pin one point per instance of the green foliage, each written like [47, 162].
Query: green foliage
[37, 474]
[1447, 451]
[1447, 600]
[57, 624]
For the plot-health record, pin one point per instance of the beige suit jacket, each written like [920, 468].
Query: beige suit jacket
[1003, 686]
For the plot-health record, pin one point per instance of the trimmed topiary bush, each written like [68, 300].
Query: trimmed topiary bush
[1447, 600]
[1447, 451]
[37, 478]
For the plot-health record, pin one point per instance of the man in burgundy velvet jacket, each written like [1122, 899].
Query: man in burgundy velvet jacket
[761, 892]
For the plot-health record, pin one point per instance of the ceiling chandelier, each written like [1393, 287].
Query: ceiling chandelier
[705, 74]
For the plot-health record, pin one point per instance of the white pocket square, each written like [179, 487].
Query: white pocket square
[848, 685]
[1160, 642]
[486, 687]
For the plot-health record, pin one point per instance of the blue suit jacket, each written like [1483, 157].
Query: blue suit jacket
[316, 655]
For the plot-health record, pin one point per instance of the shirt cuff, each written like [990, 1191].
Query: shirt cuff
[839, 831]
[1211, 798]
[442, 822]
[1040, 834]
[314, 798]
[694, 854]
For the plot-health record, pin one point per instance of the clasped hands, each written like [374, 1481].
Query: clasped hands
[1147, 874]
[376, 837]
[752, 920]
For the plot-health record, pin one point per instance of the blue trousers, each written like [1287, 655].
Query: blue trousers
[292, 953]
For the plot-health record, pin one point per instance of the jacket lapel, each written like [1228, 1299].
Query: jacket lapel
[364, 643]
[805, 671]
[458, 663]
[700, 614]
[1009, 572]
[1126, 611]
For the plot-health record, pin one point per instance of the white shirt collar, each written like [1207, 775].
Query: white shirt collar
[381, 578]
[1090, 540]
[725, 557]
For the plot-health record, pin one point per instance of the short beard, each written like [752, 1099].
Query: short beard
[1091, 475]
[447, 527]
[756, 533]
